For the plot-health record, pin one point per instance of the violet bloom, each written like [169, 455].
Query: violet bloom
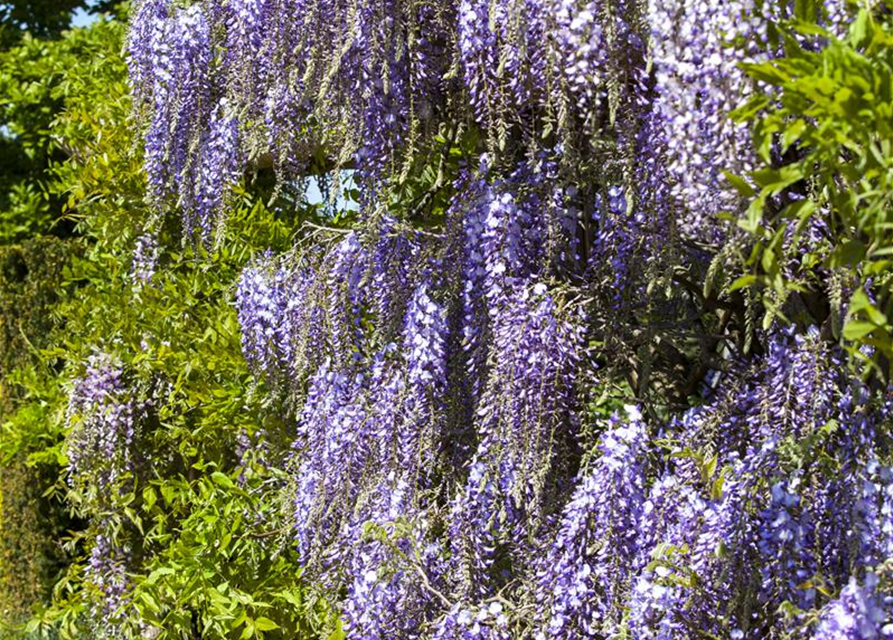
[859, 613]
[106, 572]
[103, 417]
[697, 49]
[484, 621]
[589, 565]
[219, 168]
[261, 302]
[395, 584]
[145, 259]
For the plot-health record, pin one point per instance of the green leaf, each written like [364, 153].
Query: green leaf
[717, 488]
[808, 28]
[792, 134]
[767, 72]
[805, 10]
[743, 282]
[754, 216]
[747, 111]
[860, 304]
[848, 254]
[800, 210]
[291, 597]
[338, 633]
[222, 479]
[740, 185]
[158, 573]
[861, 29]
[710, 467]
[265, 624]
[149, 600]
[856, 330]
[774, 181]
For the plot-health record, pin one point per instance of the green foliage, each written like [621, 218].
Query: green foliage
[825, 142]
[200, 521]
[38, 82]
[205, 532]
[42, 18]
[30, 274]
[423, 192]
[31, 520]
[246, 582]
[30, 525]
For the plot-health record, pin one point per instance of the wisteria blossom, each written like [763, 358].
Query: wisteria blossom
[104, 419]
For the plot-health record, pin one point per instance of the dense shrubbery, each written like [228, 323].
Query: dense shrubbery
[170, 374]
[602, 352]
[31, 520]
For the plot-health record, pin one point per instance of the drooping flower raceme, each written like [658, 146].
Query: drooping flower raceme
[106, 572]
[697, 48]
[860, 612]
[386, 597]
[145, 259]
[591, 560]
[103, 417]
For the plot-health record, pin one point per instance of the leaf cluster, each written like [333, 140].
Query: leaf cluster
[822, 132]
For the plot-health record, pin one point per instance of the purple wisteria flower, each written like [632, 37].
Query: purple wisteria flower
[485, 621]
[697, 48]
[106, 572]
[396, 572]
[145, 259]
[103, 417]
[786, 532]
[591, 561]
[448, 478]
[859, 613]
[262, 299]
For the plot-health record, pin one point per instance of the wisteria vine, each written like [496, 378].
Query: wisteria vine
[449, 476]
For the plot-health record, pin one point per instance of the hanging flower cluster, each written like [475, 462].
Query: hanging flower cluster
[106, 572]
[106, 416]
[456, 398]
[221, 86]
[103, 417]
[697, 51]
[223, 83]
